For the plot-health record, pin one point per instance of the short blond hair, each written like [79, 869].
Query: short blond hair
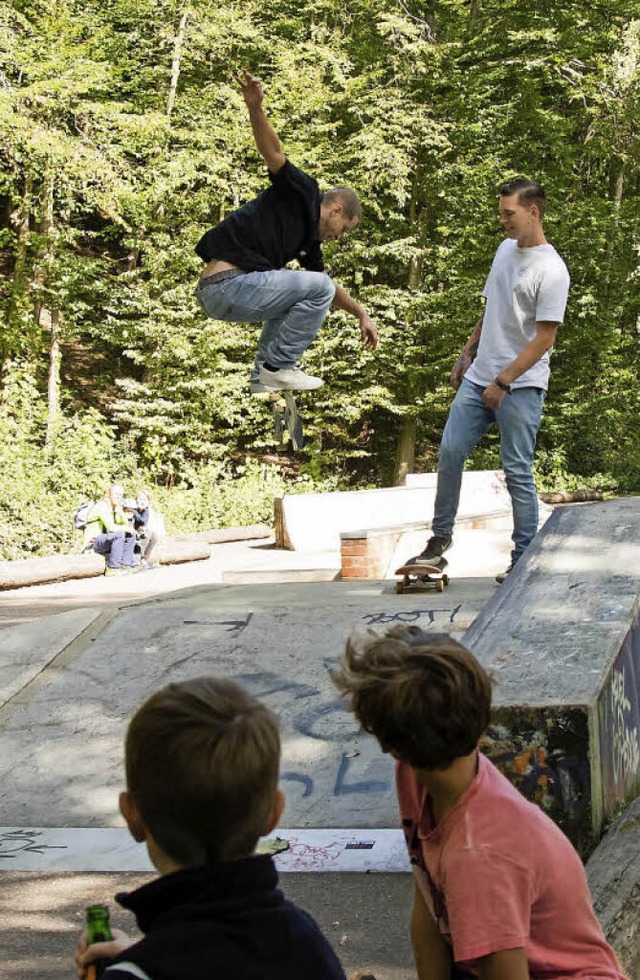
[347, 198]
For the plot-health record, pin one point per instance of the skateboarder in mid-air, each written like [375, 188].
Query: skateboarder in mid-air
[244, 278]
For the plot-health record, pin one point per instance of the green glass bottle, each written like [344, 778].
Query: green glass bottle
[98, 931]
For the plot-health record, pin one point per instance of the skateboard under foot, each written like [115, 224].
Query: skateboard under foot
[421, 578]
[285, 417]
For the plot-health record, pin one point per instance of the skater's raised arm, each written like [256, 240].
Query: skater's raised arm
[469, 351]
[263, 132]
[368, 330]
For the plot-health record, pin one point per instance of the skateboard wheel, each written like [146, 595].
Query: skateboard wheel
[399, 588]
[440, 585]
[445, 579]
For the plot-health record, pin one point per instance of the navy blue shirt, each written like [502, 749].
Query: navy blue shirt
[228, 921]
[279, 225]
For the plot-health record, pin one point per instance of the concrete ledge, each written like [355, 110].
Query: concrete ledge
[367, 554]
[561, 637]
[614, 879]
[315, 521]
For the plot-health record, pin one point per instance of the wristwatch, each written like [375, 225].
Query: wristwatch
[502, 385]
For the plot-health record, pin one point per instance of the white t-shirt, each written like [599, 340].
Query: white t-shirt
[524, 286]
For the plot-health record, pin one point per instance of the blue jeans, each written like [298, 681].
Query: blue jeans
[118, 547]
[292, 305]
[518, 420]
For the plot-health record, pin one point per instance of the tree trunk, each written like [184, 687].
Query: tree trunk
[177, 55]
[11, 342]
[406, 444]
[48, 319]
[23, 229]
[405, 450]
[618, 191]
[53, 387]
[42, 315]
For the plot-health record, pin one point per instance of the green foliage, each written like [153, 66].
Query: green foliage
[221, 497]
[552, 474]
[423, 110]
[41, 486]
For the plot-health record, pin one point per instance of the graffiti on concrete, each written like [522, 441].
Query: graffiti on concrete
[14, 841]
[626, 743]
[303, 856]
[317, 714]
[233, 625]
[412, 616]
[344, 788]
[297, 777]
[545, 755]
[619, 716]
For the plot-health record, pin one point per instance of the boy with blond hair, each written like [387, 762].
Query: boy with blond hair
[500, 892]
[202, 760]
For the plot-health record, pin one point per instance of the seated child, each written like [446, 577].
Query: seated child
[201, 761]
[500, 892]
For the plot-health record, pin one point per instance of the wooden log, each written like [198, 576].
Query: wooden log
[282, 538]
[61, 568]
[224, 534]
[56, 568]
[571, 496]
[175, 550]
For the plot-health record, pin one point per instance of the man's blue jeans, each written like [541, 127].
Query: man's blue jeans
[117, 546]
[292, 305]
[518, 420]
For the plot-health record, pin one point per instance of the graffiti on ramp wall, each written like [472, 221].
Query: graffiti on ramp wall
[619, 724]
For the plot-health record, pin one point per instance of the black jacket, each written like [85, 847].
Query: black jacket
[223, 922]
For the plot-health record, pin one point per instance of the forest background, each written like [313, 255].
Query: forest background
[123, 137]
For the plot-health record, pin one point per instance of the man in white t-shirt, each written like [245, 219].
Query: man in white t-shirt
[526, 295]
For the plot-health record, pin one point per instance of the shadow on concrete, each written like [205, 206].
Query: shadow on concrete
[365, 917]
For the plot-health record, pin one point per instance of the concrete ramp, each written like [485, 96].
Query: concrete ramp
[315, 521]
[562, 638]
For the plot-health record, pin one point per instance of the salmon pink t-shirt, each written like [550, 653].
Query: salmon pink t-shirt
[497, 873]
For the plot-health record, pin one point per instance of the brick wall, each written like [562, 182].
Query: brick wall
[367, 556]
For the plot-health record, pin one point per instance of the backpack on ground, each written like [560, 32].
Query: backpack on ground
[80, 516]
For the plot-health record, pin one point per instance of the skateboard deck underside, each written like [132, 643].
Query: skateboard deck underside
[285, 416]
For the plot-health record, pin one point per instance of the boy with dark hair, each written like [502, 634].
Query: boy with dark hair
[500, 892]
[201, 761]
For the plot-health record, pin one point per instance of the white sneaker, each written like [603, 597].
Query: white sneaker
[257, 388]
[290, 378]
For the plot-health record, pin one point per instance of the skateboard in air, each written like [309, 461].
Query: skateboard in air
[421, 578]
[285, 417]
